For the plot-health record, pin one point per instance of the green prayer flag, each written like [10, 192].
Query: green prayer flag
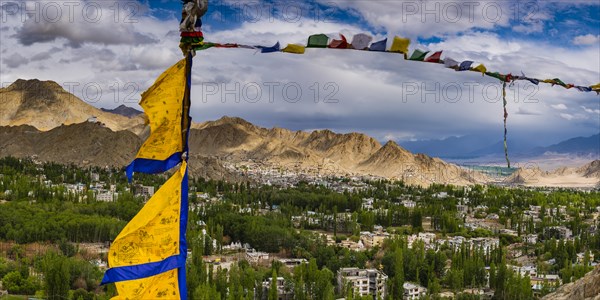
[318, 41]
[418, 55]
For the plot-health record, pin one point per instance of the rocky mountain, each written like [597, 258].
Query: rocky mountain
[235, 139]
[91, 144]
[124, 110]
[584, 176]
[586, 288]
[45, 105]
[82, 144]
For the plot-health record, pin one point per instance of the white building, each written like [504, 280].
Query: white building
[413, 291]
[284, 292]
[409, 204]
[144, 191]
[256, 256]
[105, 197]
[364, 282]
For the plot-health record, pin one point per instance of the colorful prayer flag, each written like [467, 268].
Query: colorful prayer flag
[163, 104]
[418, 55]
[274, 48]
[339, 44]
[435, 57]
[361, 41]
[147, 259]
[450, 63]
[379, 46]
[293, 48]
[317, 41]
[400, 45]
[465, 65]
[481, 68]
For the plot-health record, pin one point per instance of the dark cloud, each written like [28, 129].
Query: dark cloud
[45, 55]
[15, 60]
[32, 33]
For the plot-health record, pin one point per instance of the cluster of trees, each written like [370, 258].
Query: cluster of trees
[52, 275]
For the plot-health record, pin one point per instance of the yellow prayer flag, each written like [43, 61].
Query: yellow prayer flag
[400, 45]
[293, 48]
[153, 234]
[163, 105]
[162, 286]
[481, 68]
[595, 87]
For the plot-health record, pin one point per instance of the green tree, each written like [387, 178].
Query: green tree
[56, 276]
[273, 295]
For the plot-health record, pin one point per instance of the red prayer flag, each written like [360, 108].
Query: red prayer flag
[434, 58]
[339, 44]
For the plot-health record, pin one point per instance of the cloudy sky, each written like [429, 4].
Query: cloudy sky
[108, 52]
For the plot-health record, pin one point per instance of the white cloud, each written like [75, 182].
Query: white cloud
[591, 111]
[588, 39]
[559, 106]
[429, 18]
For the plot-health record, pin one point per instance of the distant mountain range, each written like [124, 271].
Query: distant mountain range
[473, 146]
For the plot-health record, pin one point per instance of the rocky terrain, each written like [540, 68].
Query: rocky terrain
[587, 175]
[46, 105]
[586, 288]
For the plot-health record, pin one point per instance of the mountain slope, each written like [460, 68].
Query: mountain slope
[46, 105]
[579, 145]
[82, 144]
[586, 288]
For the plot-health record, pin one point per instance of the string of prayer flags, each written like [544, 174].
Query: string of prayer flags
[339, 44]
[294, 48]
[418, 55]
[435, 57]
[361, 41]
[379, 46]
[401, 45]
[317, 41]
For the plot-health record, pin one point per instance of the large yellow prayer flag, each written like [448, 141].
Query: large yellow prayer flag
[147, 259]
[164, 106]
